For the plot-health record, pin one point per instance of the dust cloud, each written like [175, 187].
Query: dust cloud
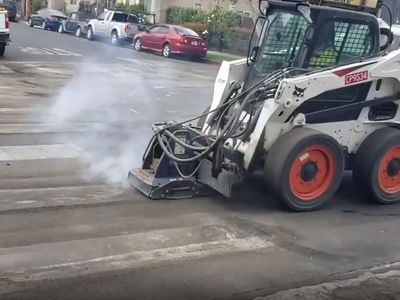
[108, 111]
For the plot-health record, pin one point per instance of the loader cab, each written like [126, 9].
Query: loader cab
[311, 37]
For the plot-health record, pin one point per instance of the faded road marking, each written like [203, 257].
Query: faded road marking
[48, 51]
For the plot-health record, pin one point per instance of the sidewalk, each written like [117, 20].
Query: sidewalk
[370, 285]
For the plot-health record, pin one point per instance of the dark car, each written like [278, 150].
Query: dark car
[76, 24]
[11, 9]
[171, 39]
[48, 19]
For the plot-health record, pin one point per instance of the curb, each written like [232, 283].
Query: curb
[213, 62]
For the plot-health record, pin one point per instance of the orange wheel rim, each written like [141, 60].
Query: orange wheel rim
[312, 173]
[389, 171]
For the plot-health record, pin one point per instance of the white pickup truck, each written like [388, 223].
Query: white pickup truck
[118, 25]
[4, 31]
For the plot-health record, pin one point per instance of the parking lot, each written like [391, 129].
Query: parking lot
[76, 115]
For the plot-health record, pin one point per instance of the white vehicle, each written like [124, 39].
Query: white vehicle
[329, 103]
[118, 26]
[4, 31]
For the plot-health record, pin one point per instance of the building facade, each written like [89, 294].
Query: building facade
[245, 7]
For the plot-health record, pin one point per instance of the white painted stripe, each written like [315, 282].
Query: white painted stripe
[40, 160]
[134, 111]
[138, 61]
[136, 259]
[39, 152]
[22, 199]
[5, 70]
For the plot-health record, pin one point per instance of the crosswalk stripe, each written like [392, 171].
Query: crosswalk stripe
[5, 70]
[69, 258]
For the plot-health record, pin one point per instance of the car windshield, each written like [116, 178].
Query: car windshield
[185, 31]
[283, 35]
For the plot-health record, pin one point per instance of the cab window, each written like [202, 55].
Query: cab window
[120, 17]
[341, 42]
[285, 34]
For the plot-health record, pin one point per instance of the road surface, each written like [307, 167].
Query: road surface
[75, 115]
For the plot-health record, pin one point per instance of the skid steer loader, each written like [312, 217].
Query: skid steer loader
[317, 95]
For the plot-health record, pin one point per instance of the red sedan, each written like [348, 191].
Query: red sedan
[171, 39]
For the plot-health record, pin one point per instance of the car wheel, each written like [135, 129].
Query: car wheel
[2, 49]
[114, 38]
[89, 34]
[30, 24]
[138, 45]
[78, 32]
[60, 28]
[166, 52]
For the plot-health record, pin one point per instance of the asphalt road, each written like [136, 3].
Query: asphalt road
[72, 125]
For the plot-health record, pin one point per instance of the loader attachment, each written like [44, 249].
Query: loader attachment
[147, 182]
[163, 178]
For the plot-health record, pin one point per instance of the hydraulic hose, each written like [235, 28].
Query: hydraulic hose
[227, 130]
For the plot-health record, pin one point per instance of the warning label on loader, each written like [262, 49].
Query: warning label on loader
[356, 77]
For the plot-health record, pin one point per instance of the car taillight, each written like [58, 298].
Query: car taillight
[7, 22]
[127, 28]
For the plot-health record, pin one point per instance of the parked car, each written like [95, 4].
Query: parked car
[4, 30]
[171, 39]
[48, 19]
[119, 25]
[11, 9]
[76, 23]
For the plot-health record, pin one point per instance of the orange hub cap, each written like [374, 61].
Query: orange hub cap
[312, 173]
[389, 171]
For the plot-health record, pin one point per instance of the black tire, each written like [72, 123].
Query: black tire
[166, 51]
[30, 24]
[202, 120]
[115, 38]
[2, 49]
[60, 28]
[78, 31]
[307, 149]
[89, 34]
[370, 161]
[137, 45]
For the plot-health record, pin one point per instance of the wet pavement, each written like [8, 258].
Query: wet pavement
[70, 228]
